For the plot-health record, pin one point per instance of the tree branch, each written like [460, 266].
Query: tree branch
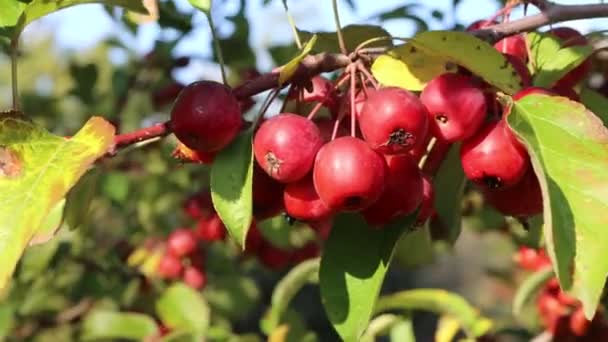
[326, 62]
[552, 13]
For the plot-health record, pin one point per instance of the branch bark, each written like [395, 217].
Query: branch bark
[552, 13]
[326, 62]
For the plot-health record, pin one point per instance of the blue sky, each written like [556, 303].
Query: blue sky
[81, 27]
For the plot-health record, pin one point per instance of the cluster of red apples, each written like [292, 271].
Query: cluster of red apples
[561, 314]
[312, 168]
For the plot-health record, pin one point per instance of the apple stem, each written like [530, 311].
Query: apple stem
[435, 157]
[368, 75]
[339, 28]
[14, 83]
[265, 105]
[314, 110]
[148, 133]
[216, 45]
[353, 115]
[336, 125]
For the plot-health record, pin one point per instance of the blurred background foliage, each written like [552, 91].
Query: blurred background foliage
[139, 194]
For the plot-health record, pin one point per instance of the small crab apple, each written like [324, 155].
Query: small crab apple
[524, 199]
[302, 201]
[348, 174]
[194, 277]
[199, 205]
[531, 259]
[456, 106]
[206, 116]
[514, 46]
[254, 239]
[579, 325]
[494, 158]
[181, 242]
[285, 146]
[211, 229]
[170, 266]
[571, 37]
[393, 121]
[273, 257]
[402, 194]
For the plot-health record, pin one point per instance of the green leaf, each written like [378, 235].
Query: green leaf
[560, 64]
[415, 248]
[182, 308]
[79, 199]
[353, 266]
[353, 36]
[529, 287]
[451, 181]
[292, 66]
[36, 171]
[543, 47]
[39, 8]
[286, 289]
[231, 186]
[202, 5]
[115, 186]
[11, 10]
[595, 102]
[440, 302]
[556, 130]
[7, 319]
[117, 325]
[51, 224]
[481, 58]
[36, 259]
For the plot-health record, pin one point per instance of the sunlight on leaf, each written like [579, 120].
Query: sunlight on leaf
[36, 171]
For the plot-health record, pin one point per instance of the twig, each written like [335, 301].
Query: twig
[15, 88]
[339, 28]
[130, 138]
[552, 13]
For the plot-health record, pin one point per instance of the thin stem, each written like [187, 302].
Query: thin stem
[378, 39]
[148, 133]
[265, 105]
[336, 126]
[216, 45]
[314, 110]
[352, 103]
[339, 28]
[292, 23]
[363, 84]
[369, 76]
[14, 81]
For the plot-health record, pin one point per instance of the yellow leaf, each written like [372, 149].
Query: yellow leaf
[409, 68]
[292, 66]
